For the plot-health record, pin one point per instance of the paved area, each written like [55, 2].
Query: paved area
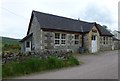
[101, 66]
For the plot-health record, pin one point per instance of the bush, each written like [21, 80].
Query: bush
[73, 61]
[36, 65]
[11, 48]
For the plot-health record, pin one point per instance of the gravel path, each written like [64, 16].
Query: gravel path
[101, 66]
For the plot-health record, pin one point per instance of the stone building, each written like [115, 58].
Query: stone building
[116, 40]
[116, 34]
[47, 31]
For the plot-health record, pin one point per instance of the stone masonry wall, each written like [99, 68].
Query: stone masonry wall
[37, 35]
[48, 41]
[107, 45]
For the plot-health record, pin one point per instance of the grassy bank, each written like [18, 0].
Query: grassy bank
[32, 65]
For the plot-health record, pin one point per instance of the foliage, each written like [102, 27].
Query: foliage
[73, 60]
[10, 41]
[9, 44]
[11, 48]
[105, 26]
[36, 65]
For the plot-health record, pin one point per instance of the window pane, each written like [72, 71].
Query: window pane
[27, 44]
[93, 37]
[76, 36]
[103, 38]
[104, 42]
[57, 41]
[57, 36]
[76, 42]
[62, 41]
[63, 36]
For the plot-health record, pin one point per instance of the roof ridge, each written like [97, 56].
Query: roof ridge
[63, 17]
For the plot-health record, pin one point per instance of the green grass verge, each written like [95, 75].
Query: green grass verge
[32, 65]
[0, 71]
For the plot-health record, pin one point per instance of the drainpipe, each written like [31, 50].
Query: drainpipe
[82, 48]
[82, 37]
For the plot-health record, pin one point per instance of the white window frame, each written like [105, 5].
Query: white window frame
[60, 39]
[27, 44]
[57, 39]
[63, 39]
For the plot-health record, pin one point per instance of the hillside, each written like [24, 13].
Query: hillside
[8, 41]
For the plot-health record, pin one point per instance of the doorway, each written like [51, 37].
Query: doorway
[94, 44]
[28, 46]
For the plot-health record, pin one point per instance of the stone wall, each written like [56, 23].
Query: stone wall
[12, 57]
[105, 47]
[106, 44]
[86, 42]
[48, 41]
[116, 45]
[37, 34]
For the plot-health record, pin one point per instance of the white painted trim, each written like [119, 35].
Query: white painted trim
[26, 48]
[60, 40]
[41, 47]
[94, 45]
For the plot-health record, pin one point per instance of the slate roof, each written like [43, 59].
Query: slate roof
[28, 36]
[103, 31]
[49, 21]
[115, 39]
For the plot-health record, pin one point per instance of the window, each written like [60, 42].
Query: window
[27, 44]
[57, 35]
[106, 40]
[63, 38]
[110, 40]
[57, 41]
[93, 37]
[95, 31]
[57, 38]
[60, 39]
[76, 39]
[103, 40]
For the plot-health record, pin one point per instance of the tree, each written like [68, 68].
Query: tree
[105, 26]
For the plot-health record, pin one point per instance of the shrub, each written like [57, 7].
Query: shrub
[73, 61]
[11, 48]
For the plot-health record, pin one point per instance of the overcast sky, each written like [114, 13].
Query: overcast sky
[15, 14]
